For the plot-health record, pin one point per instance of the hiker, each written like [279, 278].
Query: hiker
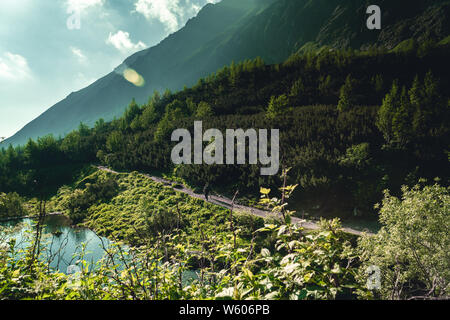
[206, 191]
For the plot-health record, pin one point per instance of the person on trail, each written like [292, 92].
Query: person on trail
[206, 191]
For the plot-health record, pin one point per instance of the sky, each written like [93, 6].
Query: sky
[50, 48]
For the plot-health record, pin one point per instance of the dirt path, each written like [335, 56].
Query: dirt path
[227, 203]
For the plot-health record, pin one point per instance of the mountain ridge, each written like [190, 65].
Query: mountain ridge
[235, 30]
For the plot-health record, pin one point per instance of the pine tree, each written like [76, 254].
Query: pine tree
[325, 85]
[204, 110]
[387, 112]
[430, 105]
[297, 92]
[402, 120]
[191, 105]
[84, 130]
[154, 99]
[277, 106]
[297, 89]
[416, 100]
[433, 99]
[347, 97]
[378, 83]
[148, 117]
[131, 113]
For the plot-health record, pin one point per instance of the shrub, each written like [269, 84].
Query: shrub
[411, 249]
[11, 205]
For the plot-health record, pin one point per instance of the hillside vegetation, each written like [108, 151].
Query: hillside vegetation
[234, 256]
[351, 125]
[236, 30]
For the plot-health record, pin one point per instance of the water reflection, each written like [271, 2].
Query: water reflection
[62, 242]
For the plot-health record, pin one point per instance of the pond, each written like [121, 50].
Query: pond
[63, 242]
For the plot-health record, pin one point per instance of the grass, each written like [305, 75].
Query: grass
[126, 216]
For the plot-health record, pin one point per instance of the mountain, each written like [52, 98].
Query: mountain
[235, 30]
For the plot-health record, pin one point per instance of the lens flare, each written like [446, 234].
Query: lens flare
[135, 78]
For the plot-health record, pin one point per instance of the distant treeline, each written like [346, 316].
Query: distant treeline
[352, 124]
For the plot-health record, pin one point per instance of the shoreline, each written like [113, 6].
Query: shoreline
[31, 217]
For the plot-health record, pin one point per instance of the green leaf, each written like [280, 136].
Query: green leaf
[226, 294]
[265, 252]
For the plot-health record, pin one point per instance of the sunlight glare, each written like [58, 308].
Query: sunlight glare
[135, 78]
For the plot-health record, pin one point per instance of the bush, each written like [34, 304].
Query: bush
[11, 205]
[160, 220]
[248, 224]
[77, 202]
[411, 249]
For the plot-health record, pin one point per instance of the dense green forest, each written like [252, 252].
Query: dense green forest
[352, 124]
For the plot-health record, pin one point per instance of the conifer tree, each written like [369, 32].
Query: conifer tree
[204, 110]
[347, 97]
[325, 85]
[402, 120]
[378, 83]
[131, 112]
[297, 89]
[430, 105]
[387, 112]
[276, 106]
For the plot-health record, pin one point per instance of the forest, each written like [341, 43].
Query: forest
[353, 125]
[347, 119]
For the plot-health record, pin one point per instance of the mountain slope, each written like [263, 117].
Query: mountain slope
[108, 96]
[238, 30]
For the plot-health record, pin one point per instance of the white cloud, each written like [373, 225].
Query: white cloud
[166, 11]
[78, 53]
[14, 67]
[80, 5]
[171, 13]
[122, 42]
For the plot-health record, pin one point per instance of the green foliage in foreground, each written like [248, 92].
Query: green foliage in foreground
[412, 248]
[314, 266]
[276, 260]
[235, 256]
